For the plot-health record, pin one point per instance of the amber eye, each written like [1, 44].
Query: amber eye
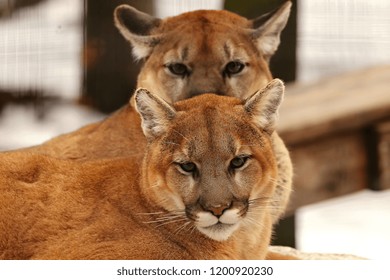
[233, 67]
[238, 162]
[178, 69]
[188, 167]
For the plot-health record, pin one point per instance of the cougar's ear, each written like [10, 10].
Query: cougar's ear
[155, 113]
[263, 105]
[268, 27]
[136, 27]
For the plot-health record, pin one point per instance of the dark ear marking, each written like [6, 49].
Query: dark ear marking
[136, 22]
[136, 27]
[267, 29]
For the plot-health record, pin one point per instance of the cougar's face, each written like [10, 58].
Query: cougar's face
[216, 171]
[212, 60]
[202, 51]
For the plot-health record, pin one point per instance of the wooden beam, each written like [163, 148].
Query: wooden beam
[344, 102]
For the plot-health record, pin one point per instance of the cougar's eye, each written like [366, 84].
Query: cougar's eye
[238, 162]
[178, 69]
[233, 67]
[188, 167]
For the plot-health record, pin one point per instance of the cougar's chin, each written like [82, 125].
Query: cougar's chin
[218, 228]
[219, 231]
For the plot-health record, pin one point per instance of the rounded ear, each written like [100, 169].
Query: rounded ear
[136, 27]
[155, 113]
[268, 27]
[263, 105]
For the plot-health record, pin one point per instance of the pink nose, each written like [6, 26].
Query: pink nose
[218, 210]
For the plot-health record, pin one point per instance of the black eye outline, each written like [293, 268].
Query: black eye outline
[233, 67]
[238, 162]
[188, 167]
[178, 69]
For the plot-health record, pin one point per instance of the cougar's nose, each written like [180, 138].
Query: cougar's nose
[218, 210]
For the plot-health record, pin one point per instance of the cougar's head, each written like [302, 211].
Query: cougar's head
[202, 51]
[209, 162]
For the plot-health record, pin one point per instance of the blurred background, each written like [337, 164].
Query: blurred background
[63, 64]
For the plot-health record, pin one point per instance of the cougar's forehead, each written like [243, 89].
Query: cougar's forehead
[203, 18]
[209, 41]
[210, 134]
[209, 51]
[205, 33]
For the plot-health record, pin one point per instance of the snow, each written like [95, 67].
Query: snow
[20, 126]
[357, 224]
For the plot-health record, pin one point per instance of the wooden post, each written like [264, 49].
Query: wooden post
[383, 130]
[109, 70]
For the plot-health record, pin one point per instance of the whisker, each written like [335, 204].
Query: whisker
[152, 186]
[152, 213]
[167, 219]
[182, 227]
[260, 210]
[257, 205]
[162, 219]
[261, 201]
[264, 207]
[166, 213]
[253, 221]
[163, 200]
[193, 228]
[174, 130]
[266, 203]
[260, 198]
[170, 222]
[170, 143]
[279, 184]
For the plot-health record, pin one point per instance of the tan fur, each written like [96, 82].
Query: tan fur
[118, 141]
[119, 209]
[205, 45]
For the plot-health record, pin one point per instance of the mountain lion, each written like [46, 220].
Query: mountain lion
[203, 190]
[184, 56]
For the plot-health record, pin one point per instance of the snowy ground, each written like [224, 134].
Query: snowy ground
[358, 223]
[21, 127]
